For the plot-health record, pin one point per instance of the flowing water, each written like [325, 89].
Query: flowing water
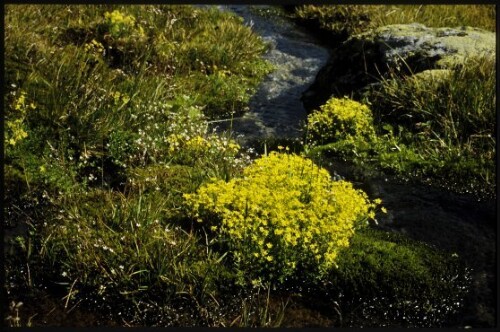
[276, 109]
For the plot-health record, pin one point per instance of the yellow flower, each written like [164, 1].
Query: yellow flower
[340, 118]
[286, 203]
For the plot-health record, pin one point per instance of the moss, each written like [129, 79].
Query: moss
[464, 42]
[390, 266]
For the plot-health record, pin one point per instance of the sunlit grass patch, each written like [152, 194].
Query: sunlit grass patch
[347, 20]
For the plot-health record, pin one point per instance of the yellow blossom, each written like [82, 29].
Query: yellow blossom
[286, 203]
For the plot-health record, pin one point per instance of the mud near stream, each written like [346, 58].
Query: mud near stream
[459, 224]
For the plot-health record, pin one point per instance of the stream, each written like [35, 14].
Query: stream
[276, 109]
[456, 223]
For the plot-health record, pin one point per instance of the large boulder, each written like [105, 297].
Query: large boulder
[365, 58]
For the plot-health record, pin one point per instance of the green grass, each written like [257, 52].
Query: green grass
[85, 82]
[346, 20]
[124, 247]
[115, 115]
[446, 125]
[480, 16]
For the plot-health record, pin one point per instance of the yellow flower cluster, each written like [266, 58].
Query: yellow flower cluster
[116, 17]
[283, 213]
[199, 145]
[340, 118]
[15, 127]
[94, 47]
[120, 99]
[120, 24]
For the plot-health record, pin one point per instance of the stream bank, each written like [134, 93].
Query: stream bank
[455, 223]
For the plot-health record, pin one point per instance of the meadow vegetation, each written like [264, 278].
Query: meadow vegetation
[435, 126]
[342, 21]
[437, 130]
[136, 209]
[107, 111]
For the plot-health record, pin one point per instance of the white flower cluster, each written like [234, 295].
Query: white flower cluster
[165, 133]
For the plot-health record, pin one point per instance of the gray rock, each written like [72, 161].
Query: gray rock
[402, 48]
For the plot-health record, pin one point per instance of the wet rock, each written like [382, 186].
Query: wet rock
[402, 48]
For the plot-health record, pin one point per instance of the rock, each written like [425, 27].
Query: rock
[401, 48]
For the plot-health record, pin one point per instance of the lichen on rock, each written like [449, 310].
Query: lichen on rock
[404, 49]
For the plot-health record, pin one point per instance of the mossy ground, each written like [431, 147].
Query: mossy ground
[383, 273]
